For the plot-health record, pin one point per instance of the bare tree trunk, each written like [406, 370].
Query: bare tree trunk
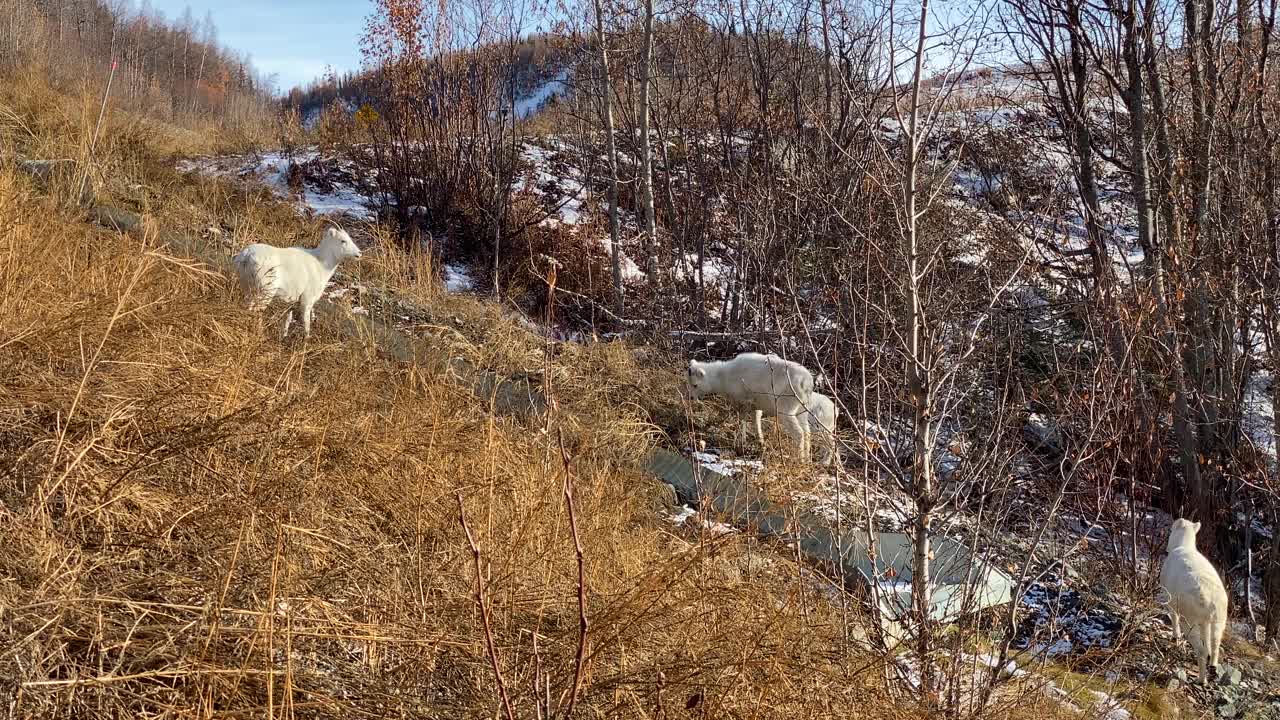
[1199, 20]
[646, 144]
[606, 100]
[1085, 173]
[195, 93]
[919, 387]
[826, 56]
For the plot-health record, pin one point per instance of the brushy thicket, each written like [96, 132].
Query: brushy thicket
[201, 521]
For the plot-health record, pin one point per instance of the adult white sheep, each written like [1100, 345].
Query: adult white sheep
[1196, 595]
[822, 420]
[295, 275]
[757, 385]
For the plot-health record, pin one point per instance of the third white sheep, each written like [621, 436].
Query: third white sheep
[1196, 595]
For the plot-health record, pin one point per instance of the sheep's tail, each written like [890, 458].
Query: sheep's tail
[256, 277]
[806, 387]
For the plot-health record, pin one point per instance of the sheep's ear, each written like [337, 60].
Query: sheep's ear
[1196, 526]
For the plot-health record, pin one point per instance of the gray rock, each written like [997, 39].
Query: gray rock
[116, 219]
[1173, 684]
[1229, 675]
[45, 172]
[1180, 674]
[1228, 711]
[41, 170]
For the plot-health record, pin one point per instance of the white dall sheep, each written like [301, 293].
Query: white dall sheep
[1196, 595]
[757, 385]
[822, 420]
[295, 275]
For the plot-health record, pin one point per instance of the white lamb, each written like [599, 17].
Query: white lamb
[757, 385]
[1196, 595]
[822, 420]
[295, 275]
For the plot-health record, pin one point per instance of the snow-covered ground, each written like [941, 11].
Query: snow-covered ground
[559, 183]
[530, 103]
[457, 278]
[1260, 412]
[272, 170]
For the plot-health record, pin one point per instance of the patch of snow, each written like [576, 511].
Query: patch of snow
[566, 192]
[1060, 618]
[457, 279]
[715, 463]
[1258, 419]
[630, 270]
[1053, 692]
[1010, 667]
[684, 514]
[340, 200]
[272, 169]
[529, 104]
[1109, 707]
[1058, 648]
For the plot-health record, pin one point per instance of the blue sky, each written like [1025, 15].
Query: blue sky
[293, 39]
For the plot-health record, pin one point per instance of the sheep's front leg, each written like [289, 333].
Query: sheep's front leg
[305, 308]
[1177, 626]
[758, 415]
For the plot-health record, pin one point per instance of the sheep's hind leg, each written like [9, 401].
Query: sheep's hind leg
[1198, 639]
[833, 449]
[288, 320]
[828, 447]
[1216, 631]
[794, 426]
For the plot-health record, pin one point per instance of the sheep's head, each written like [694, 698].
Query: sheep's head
[337, 241]
[698, 385]
[1183, 533]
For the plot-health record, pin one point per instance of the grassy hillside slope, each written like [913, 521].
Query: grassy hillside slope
[201, 521]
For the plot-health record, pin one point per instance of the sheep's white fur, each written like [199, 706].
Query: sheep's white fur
[1196, 595]
[822, 420]
[295, 275]
[758, 385]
